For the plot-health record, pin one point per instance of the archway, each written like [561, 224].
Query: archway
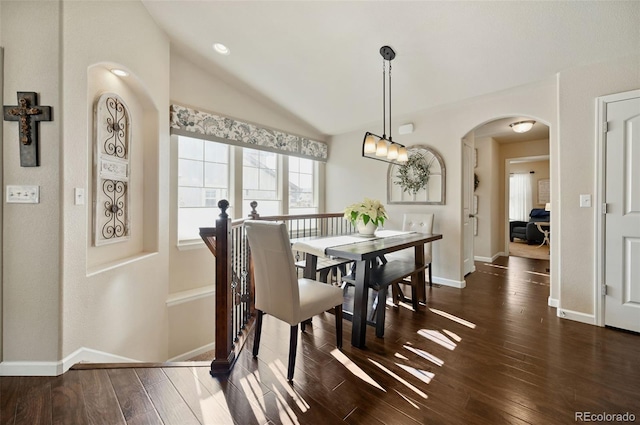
[496, 146]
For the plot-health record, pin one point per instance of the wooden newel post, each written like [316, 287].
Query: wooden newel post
[224, 350]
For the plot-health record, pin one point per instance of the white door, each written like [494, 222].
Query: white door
[467, 202]
[622, 220]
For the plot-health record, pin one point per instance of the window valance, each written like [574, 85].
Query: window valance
[190, 122]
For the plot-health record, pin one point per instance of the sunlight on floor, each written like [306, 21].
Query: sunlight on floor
[355, 369]
[438, 338]
[407, 399]
[251, 391]
[422, 375]
[497, 266]
[286, 414]
[400, 356]
[399, 379]
[452, 335]
[209, 404]
[279, 371]
[425, 355]
[454, 318]
[537, 273]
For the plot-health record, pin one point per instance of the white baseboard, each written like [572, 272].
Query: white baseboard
[30, 368]
[191, 354]
[88, 355]
[449, 282]
[589, 319]
[553, 302]
[489, 259]
[38, 368]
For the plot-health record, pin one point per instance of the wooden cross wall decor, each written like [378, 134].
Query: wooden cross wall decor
[28, 113]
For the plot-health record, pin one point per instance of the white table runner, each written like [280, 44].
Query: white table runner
[318, 246]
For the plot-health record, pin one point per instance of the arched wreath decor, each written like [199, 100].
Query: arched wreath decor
[421, 180]
[413, 175]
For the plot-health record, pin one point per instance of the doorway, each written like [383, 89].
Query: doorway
[501, 151]
[527, 198]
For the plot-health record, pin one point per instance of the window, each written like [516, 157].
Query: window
[260, 181]
[210, 171]
[302, 194]
[203, 179]
[520, 197]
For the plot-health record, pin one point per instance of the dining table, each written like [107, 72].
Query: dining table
[371, 269]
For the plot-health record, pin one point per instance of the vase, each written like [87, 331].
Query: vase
[366, 229]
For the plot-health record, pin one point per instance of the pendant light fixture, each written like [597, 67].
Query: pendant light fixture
[381, 147]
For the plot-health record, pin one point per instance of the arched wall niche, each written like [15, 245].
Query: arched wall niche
[141, 173]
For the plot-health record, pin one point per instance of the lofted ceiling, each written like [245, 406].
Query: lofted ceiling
[320, 61]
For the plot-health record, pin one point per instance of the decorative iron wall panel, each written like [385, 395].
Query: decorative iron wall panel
[112, 170]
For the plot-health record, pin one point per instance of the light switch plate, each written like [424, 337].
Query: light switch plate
[78, 196]
[23, 194]
[585, 201]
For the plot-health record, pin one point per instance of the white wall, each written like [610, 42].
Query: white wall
[32, 232]
[115, 296]
[487, 242]
[579, 89]
[56, 303]
[351, 177]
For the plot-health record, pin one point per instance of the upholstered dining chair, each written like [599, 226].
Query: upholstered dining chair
[278, 290]
[414, 222]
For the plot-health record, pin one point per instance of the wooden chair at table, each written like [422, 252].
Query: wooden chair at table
[278, 290]
[422, 223]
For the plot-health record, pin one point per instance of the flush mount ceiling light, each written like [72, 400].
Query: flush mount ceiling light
[522, 126]
[221, 48]
[119, 72]
[381, 147]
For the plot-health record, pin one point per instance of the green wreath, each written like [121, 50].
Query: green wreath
[414, 174]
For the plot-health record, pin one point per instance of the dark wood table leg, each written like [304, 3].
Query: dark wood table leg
[359, 321]
[418, 279]
[311, 263]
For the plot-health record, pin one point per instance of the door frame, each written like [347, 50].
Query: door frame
[468, 240]
[600, 196]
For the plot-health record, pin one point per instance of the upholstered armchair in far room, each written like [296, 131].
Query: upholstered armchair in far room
[527, 230]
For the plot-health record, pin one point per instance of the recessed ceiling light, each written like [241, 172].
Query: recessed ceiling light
[221, 48]
[120, 72]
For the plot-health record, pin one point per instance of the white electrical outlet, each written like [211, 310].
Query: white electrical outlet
[23, 194]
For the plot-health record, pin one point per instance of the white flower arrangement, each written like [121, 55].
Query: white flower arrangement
[368, 210]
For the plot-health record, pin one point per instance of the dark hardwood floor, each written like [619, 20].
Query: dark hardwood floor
[493, 353]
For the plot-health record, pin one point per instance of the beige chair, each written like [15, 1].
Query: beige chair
[422, 223]
[279, 292]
